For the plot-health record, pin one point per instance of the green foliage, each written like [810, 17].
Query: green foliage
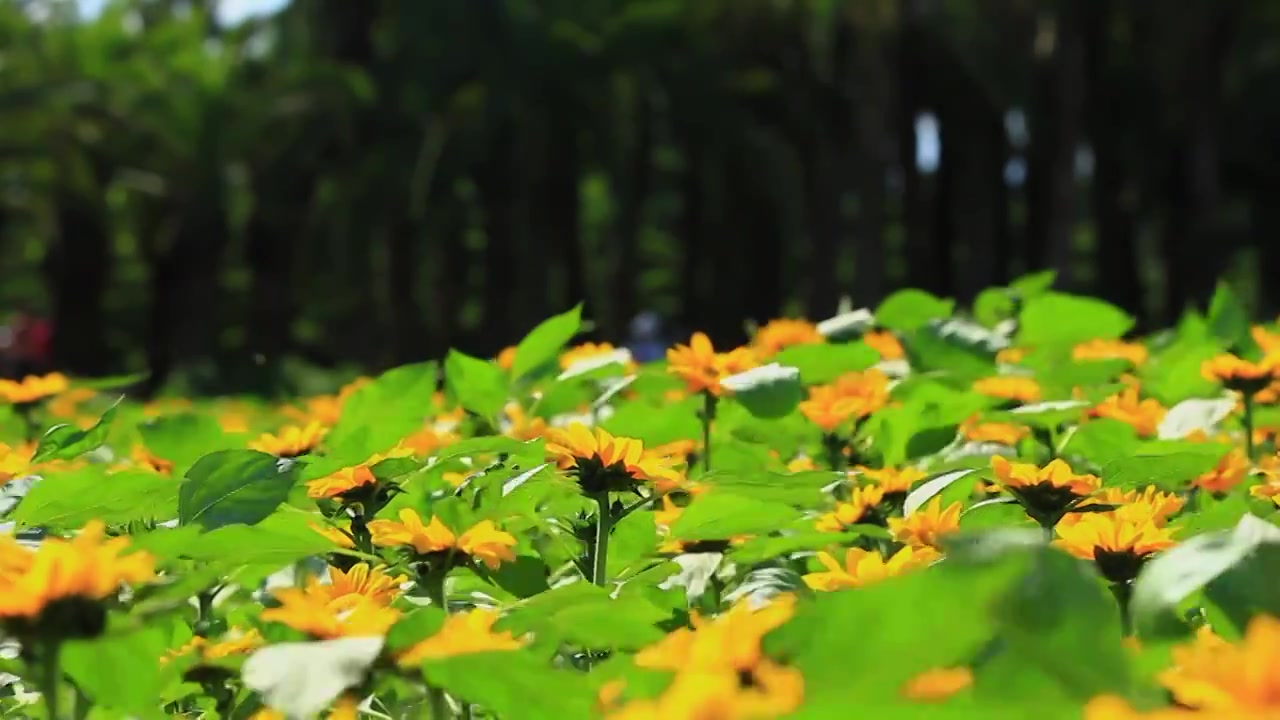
[234, 487]
[544, 342]
[65, 442]
[1061, 319]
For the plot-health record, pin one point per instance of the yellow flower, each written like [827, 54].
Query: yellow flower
[14, 462]
[484, 541]
[669, 513]
[893, 480]
[371, 582]
[702, 368]
[507, 358]
[32, 388]
[862, 567]
[1119, 542]
[324, 618]
[1044, 491]
[1229, 472]
[426, 441]
[87, 566]
[346, 707]
[1143, 416]
[1111, 707]
[1150, 501]
[351, 478]
[729, 641]
[522, 426]
[462, 634]
[292, 441]
[938, 684]
[1267, 341]
[67, 404]
[603, 462]
[145, 460]
[588, 351]
[1211, 675]
[803, 463]
[771, 691]
[324, 409]
[1241, 375]
[1009, 387]
[885, 343]
[862, 501]
[782, 333]
[853, 395]
[974, 430]
[1012, 355]
[236, 643]
[926, 524]
[1098, 349]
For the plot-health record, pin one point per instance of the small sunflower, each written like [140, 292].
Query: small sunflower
[702, 368]
[32, 388]
[1099, 349]
[885, 343]
[1015, 388]
[484, 541]
[1244, 376]
[1046, 493]
[924, 526]
[604, 463]
[862, 567]
[1143, 415]
[777, 335]
[975, 430]
[292, 441]
[1118, 542]
[463, 633]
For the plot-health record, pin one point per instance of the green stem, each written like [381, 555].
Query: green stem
[708, 414]
[835, 452]
[360, 531]
[433, 583]
[49, 673]
[600, 548]
[1248, 425]
[1123, 592]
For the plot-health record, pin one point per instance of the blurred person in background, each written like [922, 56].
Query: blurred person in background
[26, 343]
[646, 342]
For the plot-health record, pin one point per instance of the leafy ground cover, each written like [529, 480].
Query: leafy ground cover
[1011, 511]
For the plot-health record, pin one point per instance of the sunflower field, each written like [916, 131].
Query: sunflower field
[1014, 510]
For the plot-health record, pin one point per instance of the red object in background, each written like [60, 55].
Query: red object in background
[33, 337]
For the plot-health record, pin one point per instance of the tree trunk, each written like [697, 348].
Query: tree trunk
[78, 266]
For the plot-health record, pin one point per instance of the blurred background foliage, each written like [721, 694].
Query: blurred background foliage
[369, 182]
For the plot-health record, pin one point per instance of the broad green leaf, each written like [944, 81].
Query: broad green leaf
[479, 386]
[526, 686]
[1102, 440]
[1046, 415]
[1195, 562]
[1169, 471]
[71, 498]
[300, 679]
[119, 671]
[908, 309]
[819, 364]
[766, 548]
[719, 515]
[544, 342]
[279, 540]
[67, 442]
[769, 391]
[586, 615]
[234, 487]
[935, 347]
[382, 413]
[657, 424]
[1229, 321]
[1174, 374]
[803, 489]
[1248, 588]
[1061, 319]
[183, 439]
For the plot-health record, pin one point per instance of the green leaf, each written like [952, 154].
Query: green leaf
[1061, 319]
[583, 614]
[898, 618]
[925, 492]
[1169, 470]
[930, 348]
[527, 687]
[67, 442]
[544, 342]
[769, 391]
[819, 364]
[302, 678]
[657, 424]
[382, 413]
[1102, 440]
[720, 515]
[119, 671]
[1174, 374]
[234, 486]
[72, 498]
[110, 382]
[908, 309]
[1044, 415]
[766, 548]
[803, 489]
[279, 540]
[1229, 321]
[479, 386]
[1175, 574]
[183, 439]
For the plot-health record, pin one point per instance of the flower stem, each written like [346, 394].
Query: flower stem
[708, 414]
[600, 548]
[49, 672]
[835, 452]
[433, 584]
[1248, 425]
[1123, 592]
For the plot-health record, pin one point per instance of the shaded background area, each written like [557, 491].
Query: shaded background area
[369, 182]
